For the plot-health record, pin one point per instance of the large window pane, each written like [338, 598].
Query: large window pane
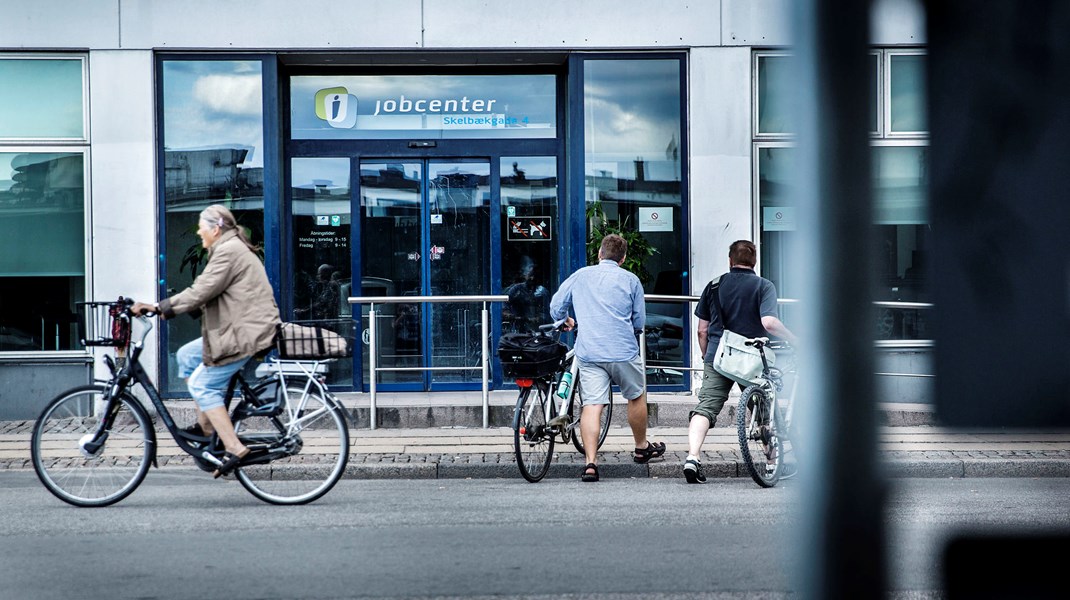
[908, 112]
[632, 132]
[42, 249]
[41, 98]
[775, 95]
[322, 280]
[901, 217]
[529, 239]
[213, 154]
[776, 211]
[391, 199]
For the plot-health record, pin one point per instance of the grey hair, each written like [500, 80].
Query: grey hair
[220, 216]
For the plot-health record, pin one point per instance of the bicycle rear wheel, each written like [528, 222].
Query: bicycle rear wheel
[82, 468]
[533, 441]
[575, 412]
[759, 439]
[304, 448]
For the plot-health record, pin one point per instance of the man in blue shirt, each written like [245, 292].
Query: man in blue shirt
[609, 302]
[749, 306]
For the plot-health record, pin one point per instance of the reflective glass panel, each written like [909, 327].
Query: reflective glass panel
[423, 106]
[41, 98]
[458, 196]
[777, 212]
[775, 95]
[908, 93]
[530, 243]
[391, 253]
[322, 280]
[42, 249]
[632, 133]
[213, 137]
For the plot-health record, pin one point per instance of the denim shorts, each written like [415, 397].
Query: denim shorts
[597, 377]
[207, 385]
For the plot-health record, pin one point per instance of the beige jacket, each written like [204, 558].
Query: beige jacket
[233, 291]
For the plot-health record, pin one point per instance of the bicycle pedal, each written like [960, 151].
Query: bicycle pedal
[559, 421]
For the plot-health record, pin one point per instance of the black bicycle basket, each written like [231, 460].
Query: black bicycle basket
[530, 355]
[103, 323]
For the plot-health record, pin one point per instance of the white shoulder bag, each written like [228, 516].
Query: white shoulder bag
[734, 359]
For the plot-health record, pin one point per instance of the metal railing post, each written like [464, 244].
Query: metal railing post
[373, 364]
[485, 359]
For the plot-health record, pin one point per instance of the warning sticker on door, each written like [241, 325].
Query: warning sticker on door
[529, 229]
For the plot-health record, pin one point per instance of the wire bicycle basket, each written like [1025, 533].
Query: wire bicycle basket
[103, 323]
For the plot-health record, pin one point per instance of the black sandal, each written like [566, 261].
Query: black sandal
[643, 455]
[589, 477]
[230, 462]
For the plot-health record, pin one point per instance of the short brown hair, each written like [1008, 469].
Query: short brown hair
[614, 247]
[743, 253]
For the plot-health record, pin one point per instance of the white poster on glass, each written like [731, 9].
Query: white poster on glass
[658, 218]
[778, 218]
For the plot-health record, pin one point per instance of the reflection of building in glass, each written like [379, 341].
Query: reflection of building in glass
[45, 181]
[210, 173]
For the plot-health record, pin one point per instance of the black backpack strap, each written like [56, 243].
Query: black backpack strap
[714, 288]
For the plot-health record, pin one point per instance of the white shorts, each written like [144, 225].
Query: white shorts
[597, 377]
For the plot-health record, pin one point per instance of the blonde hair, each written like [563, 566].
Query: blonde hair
[220, 216]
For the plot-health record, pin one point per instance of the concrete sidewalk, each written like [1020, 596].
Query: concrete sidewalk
[465, 452]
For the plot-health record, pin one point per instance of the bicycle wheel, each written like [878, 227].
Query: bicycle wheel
[280, 470]
[759, 440]
[533, 442]
[84, 471]
[607, 416]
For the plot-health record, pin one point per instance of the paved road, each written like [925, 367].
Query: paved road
[624, 538]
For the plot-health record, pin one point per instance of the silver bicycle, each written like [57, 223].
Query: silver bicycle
[764, 417]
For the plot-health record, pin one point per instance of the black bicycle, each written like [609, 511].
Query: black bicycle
[763, 420]
[93, 444]
[548, 406]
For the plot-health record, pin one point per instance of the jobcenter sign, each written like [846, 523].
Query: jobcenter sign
[449, 106]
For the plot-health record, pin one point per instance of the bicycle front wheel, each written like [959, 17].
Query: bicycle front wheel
[305, 447]
[82, 465]
[533, 441]
[759, 436]
[603, 429]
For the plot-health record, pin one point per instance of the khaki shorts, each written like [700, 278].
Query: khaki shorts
[597, 377]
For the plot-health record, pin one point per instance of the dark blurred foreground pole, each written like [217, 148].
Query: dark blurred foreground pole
[840, 541]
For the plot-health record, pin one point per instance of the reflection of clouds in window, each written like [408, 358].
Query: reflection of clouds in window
[632, 109]
[230, 94]
[214, 104]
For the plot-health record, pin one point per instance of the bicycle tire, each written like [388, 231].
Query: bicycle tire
[606, 418]
[759, 439]
[102, 477]
[533, 443]
[304, 420]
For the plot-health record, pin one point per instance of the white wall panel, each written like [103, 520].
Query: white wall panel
[59, 24]
[756, 22]
[271, 24]
[894, 22]
[571, 23]
[720, 167]
[123, 176]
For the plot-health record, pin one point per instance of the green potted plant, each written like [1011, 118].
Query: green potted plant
[638, 247]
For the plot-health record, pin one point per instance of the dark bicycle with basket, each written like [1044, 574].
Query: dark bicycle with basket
[548, 406]
[93, 444]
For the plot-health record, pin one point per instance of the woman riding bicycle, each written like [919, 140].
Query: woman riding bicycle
[239, 320]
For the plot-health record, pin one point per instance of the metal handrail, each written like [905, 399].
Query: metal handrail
[373, 350]
[904, 344]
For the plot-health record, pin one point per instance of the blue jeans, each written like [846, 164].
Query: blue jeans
[206, 384]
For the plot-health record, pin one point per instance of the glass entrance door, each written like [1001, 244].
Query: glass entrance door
[425, 231]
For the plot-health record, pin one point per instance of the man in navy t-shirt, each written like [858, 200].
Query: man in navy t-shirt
[748, 303]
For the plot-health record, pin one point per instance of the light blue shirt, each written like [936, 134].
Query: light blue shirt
[609, 307]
